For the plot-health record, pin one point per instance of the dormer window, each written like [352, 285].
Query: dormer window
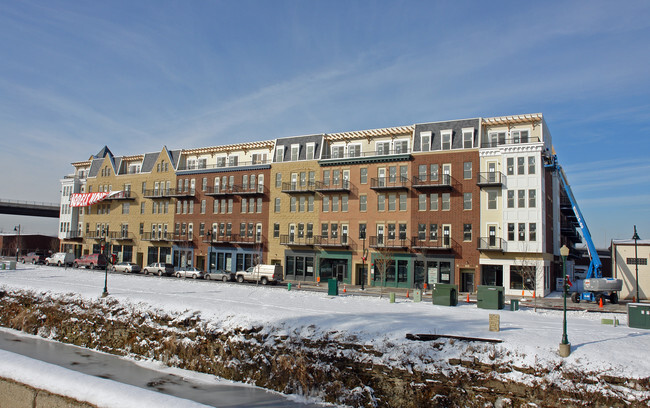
[401, 146]
[311, 147]
[295, 150]
[221, 161]
[446, 140]
[338, 152]
[233, 160]
[383, 148]
[468, 138]
[354, 150]
[279, 154]
[425, 141]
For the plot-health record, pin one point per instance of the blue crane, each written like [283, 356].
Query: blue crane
[594, 287]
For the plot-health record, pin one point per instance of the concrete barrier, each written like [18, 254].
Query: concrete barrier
[17, 395]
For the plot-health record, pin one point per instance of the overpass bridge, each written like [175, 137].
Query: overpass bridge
[29, 208]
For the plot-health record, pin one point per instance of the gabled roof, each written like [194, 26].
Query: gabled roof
[102, 153]
[174, 156]
[149, 161]
[94, 167]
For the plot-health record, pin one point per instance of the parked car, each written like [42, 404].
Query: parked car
[224, 276]
[127, 267]
[159, 268]
[33, 258]
[60, 259]
[189, 272]
[261, 273]
[91, 261]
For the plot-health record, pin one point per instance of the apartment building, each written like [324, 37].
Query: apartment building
[468, 202]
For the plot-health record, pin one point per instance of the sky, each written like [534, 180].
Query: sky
[137, 76]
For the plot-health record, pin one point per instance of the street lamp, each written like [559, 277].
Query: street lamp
[364, 253]
[635, 237]
[17, 242]
[565, 346]
[105, 292]
[209, 234]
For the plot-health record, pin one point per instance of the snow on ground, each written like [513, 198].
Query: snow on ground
[95, 390]
[530, 338]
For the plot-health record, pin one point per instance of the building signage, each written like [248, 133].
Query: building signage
[87, 199]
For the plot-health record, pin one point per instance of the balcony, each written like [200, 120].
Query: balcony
[235, 190]
[490, 179]
[437, 245]
[295, 187]
[343, 186]
[72, 235]
[181, 238]
[223, 165]
[501, 141]
[157, 236]
[384, 242]
[492, 244]
[342, 241]
[96, 234]
[120, 236]
[385, 183]
[121, 195]
[444, 182]
[336, 155]
[294, 240]
[160, 193]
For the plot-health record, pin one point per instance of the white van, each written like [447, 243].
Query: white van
[60, 259]
[264, 274]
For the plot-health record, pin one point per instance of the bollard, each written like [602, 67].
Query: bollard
[392, 297]
[289, 286]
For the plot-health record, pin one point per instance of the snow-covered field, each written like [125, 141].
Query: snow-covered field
[529, 338]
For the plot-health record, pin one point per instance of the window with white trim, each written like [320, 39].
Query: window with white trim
[425, 141]
[295, 151]
[446, 139]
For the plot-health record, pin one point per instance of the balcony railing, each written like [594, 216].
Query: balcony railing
[342, 241]
[234, 239]
[294, 239]
[160, 193]
[385, 242]
[235, 190]
[443, 181]
[439, 244]
[72, 235]
[122, 195]
[196, 166]
[291, 187]
[329, 155]
[181, 237]
[96, 234]
[490, 179]
[509, 141]
[341, 185]
[385, 183]
[492, 244]
[156, 236]
[121, 236]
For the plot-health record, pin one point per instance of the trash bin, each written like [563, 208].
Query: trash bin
[638, 315]
[12, 265]
[392, 297]
[514, 305]
[490, 297]
[445, 294]
[332, 287]
[3, 266]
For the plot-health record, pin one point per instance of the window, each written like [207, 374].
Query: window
[532, 231]
[445, 201]
[142, 207]
[324, 230]
[434, 172]
[392, 174]
[425, 141]
[433, 232]
[511, 198]
[144, 187]
[310, 151]
[204, 184]
[354, 150]
[310, 204]
[203, 206]
[391, 202]
[363, 203]
[344, 203]
[383, 148]
[230, 202]
[422, 232]
[242, 229]
[381, 202]
[301, 230]
[532, 199]
[531, 164]
[279, 154]
[519, 136]
[292, 204]
[301, 204]
[233, 161]
[215, 207]
[125, 208]
[422, 202]
[467, 170]
[335, 230]
[522, 231]
[468, 139]
[422, 172]
[310, 230]
[326, 177]
[335, 203]
[391, 231]
[636, 261]
[467, 201]
[401, 146]
[223, 206]
[467, 232]
[433, 202]
[521, 168]
[492, 200]
[244, 206]
[191, 211]
[259, 205]
[510, 166]
[446, 140]
[363, 175]
[402, 231]
[295, 150]
[521, 198]
[511, 231]
[326, 203]
[221, 161]
[362, 231]
[278, 180]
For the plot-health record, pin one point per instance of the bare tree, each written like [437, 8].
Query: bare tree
[383, 260]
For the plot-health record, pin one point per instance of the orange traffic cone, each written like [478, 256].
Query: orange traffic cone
[600, 303]
[468, 298]
[299, 285]
[344, 289]
[407, 293]
[522, 294]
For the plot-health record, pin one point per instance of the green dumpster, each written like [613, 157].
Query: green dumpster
[514, 305]
[445, 294]
[2, 266]
[638, 315]
[332, 287]
[490, 297]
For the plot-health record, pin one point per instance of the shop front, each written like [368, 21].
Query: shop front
[300, 266]
[335, 265]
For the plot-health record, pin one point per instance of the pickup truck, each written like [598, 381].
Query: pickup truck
[264, 274]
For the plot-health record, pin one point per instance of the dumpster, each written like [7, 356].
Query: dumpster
[514, 305]
[445, 294]
[638, 315]
[332, 287]
[490, 297]
[2, 266]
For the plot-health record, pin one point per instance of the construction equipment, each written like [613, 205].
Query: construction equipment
[595, 288]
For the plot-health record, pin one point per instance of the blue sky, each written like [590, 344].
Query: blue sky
[137, 75]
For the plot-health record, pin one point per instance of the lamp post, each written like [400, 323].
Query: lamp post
[565, 346]
[362, 235]
[209, 251]
[105, 292]
[17, 242]
[635, 237]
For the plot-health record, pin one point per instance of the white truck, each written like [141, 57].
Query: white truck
[263, 274]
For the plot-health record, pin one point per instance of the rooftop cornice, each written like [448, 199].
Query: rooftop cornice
[267, 144]
[512, 120]
[371, 133]
[82, 163]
